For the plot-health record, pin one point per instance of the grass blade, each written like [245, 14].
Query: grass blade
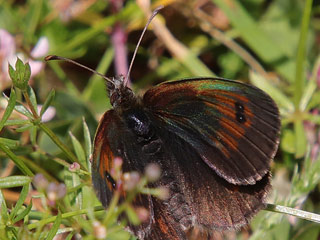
[9, 109]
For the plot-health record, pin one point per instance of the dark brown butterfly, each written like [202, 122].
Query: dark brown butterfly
[214, 140]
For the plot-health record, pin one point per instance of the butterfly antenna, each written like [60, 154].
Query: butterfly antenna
[54, 57]
[154, 13]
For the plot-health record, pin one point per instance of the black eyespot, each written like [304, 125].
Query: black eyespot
[239, 107]
[110, 179]
[241, 118]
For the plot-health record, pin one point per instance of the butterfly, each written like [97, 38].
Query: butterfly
[213, 138]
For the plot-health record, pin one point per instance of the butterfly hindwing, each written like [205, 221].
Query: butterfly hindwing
[233, 126]
[214, 202]
[115, 138]
[110, 142]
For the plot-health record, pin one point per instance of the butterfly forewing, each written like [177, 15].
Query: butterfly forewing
[234, 127]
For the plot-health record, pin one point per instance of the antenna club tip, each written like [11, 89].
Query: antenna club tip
[51, 57]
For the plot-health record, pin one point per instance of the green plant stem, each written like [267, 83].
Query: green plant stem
[63, 216]
[293, 212]
[112, 206]
[60, 144]
[20, 164]
[301, 54]
[34, 112]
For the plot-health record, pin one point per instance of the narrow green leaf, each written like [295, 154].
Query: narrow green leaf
[23, 195]
[300, 139]
[278, 96]
[79, 150]
[301, 55]
[4, 216]
[70, 235]
[33, 98]
[9, 109]
[288, 141]
[47, 102]
[87, 142]
[72, 181]
[196, 66]
[255, 38]
[33, 135]
[132, 215]
[24, 128]
[310, 92]
[55, 227]
[14, 181]
[78, 194]
[12, 144]
[23, 110]
[26, 74]
[19, 65]
[24, 213]
[20, 164]
[12, 73]
[14, 122]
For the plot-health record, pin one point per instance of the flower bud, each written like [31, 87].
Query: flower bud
[131, 180]
[74, 167]
[142, 213]
[99, 231]
[153, 172]
[40, 182]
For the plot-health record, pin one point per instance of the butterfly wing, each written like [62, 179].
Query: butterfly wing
[202, 131]
[215, 204]
[115, 139]
[102, 159]
[233, 126]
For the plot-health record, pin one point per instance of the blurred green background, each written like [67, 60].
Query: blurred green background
[273, 44]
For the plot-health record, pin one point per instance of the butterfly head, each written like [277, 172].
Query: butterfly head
[121, 96]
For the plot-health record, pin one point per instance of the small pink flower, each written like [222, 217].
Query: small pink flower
[9, 54]
[48, 114]
[40, 50]
[7, 51]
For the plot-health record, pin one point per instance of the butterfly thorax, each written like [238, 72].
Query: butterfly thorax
[121, 97]
[128, 106]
